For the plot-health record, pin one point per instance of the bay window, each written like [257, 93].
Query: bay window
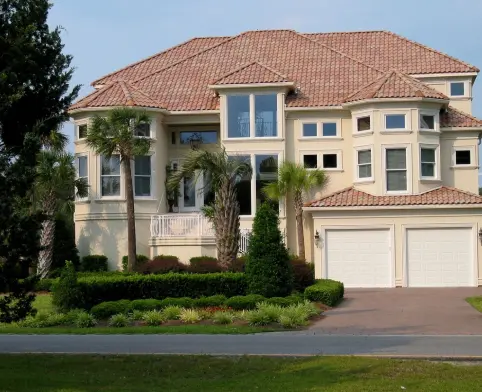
[396, 169]
[427, 162]
[364, 164]
[142, 176]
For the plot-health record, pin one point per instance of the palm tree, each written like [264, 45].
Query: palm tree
[221, 174]
[54, 191]
[115, 135]
[295, 181]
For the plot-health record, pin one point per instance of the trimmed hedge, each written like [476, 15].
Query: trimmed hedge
[303, 273]
[204, 265]
[140, 260]
[327, 291]
[244, 302]
[162, 264]
[106, 309]
[213, 300]
[112, 288]
[94, 263]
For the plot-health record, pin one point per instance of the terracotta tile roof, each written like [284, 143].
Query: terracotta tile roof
[119, 93]
[394, 84]
[386, 50]
[326, 68]
[454, 118]
[160, 60]
[351, 197]
[253, 72]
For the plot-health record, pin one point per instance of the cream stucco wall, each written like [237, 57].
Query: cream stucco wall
[396, 220]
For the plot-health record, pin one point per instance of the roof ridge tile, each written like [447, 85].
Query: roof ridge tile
[247, 65]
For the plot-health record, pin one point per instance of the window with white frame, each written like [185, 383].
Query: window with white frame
[310, 130]
[363, 123]
[252, 115]
[142, 176]
[364, 164]
[428, 157]
[328, 129]
[82, 131]
[427, 121]
[463, 156]
[83, 168]
[143, 130]
[396, 169]
[395, 121]
[110, 176]
[457, 89]
[329, 161]
[310, 161]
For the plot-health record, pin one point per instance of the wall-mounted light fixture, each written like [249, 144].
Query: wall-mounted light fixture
[480, 235]
[317, 239]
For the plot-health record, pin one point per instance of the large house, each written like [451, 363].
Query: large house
[387, 118]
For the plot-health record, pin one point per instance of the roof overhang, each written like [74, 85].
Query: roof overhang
[106, 108]
[388, 100]
[312, 108]
[399, 207]
[251, 85]
[458, 129]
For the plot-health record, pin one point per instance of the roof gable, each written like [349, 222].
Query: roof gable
[454, 118]
[251, 73]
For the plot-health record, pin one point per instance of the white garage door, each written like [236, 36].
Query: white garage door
[440, 257]
[359, 258]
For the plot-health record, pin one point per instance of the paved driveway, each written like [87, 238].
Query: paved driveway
[404, 311]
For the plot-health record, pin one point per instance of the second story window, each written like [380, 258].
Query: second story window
[142, 176]
[427, 162]
[364, 164]
[82, 168]
[427, 121]
[396, 169]
[463, 156]
[457, 89]
[364, 124]
[252, 116]
[395, 121]
[143, 130]
[204, 137]
[82, 131]
[110, 176]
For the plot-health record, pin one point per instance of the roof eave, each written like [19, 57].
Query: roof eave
[251, 85]
[479, 128]
[399, 207]
[104, 108]
[442, 101]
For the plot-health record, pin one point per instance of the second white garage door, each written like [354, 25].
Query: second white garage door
[359, 258]
[440, 257]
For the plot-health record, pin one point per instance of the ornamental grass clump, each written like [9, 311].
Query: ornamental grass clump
[85, 320]
[271, 312]
[172, 312]
[119, 320]
[256, 318]
[223, 318]
[190, 316]
[154, 317]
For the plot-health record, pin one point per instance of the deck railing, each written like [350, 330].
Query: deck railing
[181, 225]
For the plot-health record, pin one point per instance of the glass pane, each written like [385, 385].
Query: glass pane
[82, 131]
[428, 170]
[142, 165]
[457, 88]
[189, 192]
[111, 186]
[204, 137]
[82, 166]
[364, 171]
[427, 122]
[208, 194]
[143, 130]
[397, 180]
[329, 161]
[142, 186]
[363, 124]
[396, 158]
[309, 130]
[462, 157]
[428, 155]
[111, 166]
[238, 116]
[310, 161]
[266, 171]
[329, 129]
[395, 121]
[265, 111]
[243, 188]
[364, 156]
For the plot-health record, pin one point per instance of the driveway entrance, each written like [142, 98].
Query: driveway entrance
[404, 311]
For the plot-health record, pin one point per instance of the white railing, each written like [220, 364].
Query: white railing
[244, 240]
[181, 225]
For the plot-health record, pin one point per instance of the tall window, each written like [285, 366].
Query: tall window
[364, 164]
[396, 169]
[427, 161]
[82, 168]
[265, 115]
[110, 176]
[238, 116]
[243, 188]
[82, 130]
[266, 172]
[142, 176]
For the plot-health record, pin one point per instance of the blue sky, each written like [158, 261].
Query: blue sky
[105, 35]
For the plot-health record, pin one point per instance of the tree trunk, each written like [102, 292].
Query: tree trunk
[131, 219]
[226, 224]
[298, 201]
[47, 237]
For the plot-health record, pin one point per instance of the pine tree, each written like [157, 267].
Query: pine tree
[268, 268]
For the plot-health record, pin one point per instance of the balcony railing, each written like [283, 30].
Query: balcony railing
[181, 225]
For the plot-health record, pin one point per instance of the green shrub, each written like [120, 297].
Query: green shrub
[244, 302]
[64, 247]
[154, 317]
[213, 300]
[162, 264]
[85, 320]
[93, 263]
[146, 304]
[136, 315]
[204, 265]
[99, 289]
[118, 320]
[326, 291]
[190, 316]
[295, 298]
[66, 294]
[140, 260]
[104, 310]
[223, 317]
[45, 284]
[295, 315]
[291, 320]
[303, 273]
[280, 301]
[270, 311]
[172, 312]
[183, 302]
[256, 318]
[90, 274]
[56, 319]
[40, 320]
[268, 269]
[238, 264]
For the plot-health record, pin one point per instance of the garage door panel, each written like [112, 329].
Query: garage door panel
[439, 257]
[359, 258]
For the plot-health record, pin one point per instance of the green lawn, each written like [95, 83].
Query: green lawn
[476, 302]
[49, 373]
